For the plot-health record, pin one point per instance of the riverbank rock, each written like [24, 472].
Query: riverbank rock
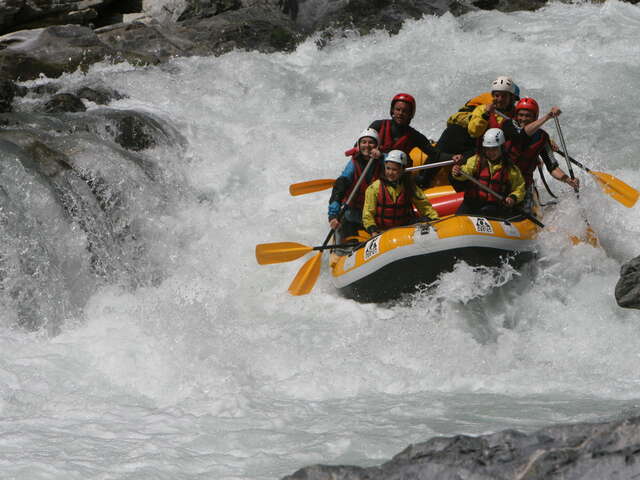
[628, 287]
[191, 27]
[568, 452]
[52, 51]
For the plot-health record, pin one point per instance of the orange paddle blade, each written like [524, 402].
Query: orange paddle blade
[310, 186]
[279, 252]
[307, 276]
[616, 188]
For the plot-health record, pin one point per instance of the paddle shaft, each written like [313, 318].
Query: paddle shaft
[343, 208]
[430, 165]
[564, 147]
[501, 198]
[574, 161]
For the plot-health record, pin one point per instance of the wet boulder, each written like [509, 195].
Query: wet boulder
[7, 93]
[64, 102]
[99, 95]
[52, 51]
[568, 452]
[628, 287]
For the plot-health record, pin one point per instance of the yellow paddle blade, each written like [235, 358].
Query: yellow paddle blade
[307, 276]
[279, 252]
[310, 186]
[616, 188]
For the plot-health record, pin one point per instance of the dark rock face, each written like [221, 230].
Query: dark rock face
[21, 14]
[64, 102]
[628, 287]
[571, 452]
[99, 95]
[7, 93]
[52, 51]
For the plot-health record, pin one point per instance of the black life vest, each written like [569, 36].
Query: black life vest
[498, 182]
[386, 143]
[391, 214]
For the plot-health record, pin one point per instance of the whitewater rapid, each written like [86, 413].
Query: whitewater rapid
[213, 371]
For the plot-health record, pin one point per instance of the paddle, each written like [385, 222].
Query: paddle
[592, 238]
[311, 186]
[501, 198]
[307, 276]
[281, 252]
[612, 186]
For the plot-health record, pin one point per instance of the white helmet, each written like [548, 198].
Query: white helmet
[369, 132]
[503, 84]
[396, 156]
[494, 137]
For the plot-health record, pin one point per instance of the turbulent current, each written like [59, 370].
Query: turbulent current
[196, 363]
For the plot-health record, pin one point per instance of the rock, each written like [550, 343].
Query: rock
[99, 95]
[7, 93]
[627, 290]
[23, 14]
[52, 51]
[133, 135]
[568, 452]
[47, 161]
[64, 102]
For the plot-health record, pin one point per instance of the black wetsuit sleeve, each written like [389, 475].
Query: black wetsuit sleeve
[376, 124]
[511, 132]
[435, 155]
[548, 158]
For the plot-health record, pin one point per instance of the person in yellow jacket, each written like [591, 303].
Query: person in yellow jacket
[466, 126]
[493, 169]
[389, 201]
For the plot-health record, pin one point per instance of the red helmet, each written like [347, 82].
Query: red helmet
[404, 97]
[528, 103]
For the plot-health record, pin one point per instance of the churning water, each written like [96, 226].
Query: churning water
[200, 365]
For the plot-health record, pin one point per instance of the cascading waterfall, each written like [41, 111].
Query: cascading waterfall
[140, 339]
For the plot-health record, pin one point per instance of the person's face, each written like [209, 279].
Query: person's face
[493, 153]
[524, 117]
[501, 100]
[392, 171]
[365, 145]
[401, 113]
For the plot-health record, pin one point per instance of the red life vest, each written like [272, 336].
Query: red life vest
[374, 171]
[525, 157]
[498, 182]
[391, 214]
[387, 143]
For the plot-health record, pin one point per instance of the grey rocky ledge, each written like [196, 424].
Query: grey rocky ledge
[628, 287]
[193, 27]
[569, 452]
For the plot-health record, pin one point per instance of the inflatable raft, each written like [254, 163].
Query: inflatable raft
[403, 258]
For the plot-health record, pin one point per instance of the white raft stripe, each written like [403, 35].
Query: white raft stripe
[427, 244]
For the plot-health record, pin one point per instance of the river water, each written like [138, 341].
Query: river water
[212, 371]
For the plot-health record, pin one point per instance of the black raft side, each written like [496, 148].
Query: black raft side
[405, 275]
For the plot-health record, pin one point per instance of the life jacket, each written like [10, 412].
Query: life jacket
[525, 157]
[387, 143]
[498, 182]
[391, 214]
[463, 115]
[374, 174]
